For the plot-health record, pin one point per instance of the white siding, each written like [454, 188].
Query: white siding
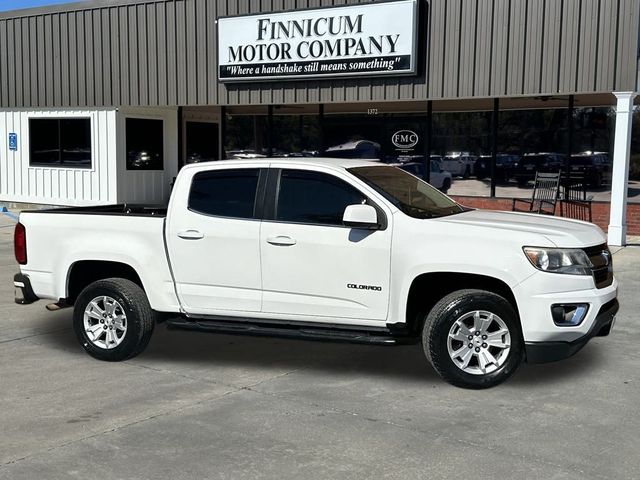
[148, 186]
[20, 182]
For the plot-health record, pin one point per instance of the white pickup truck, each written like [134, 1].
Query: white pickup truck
[348, 250]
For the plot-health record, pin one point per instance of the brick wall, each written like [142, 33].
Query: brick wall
[599, 210]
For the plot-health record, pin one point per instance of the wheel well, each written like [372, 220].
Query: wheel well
[86, 272]
[427, 289]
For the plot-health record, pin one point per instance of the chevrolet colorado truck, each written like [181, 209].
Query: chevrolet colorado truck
[330, 249]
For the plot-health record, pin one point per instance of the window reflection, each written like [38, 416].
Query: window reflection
[539, 140]
[529, 140]
[201, 141]
[246, 135]
[144, 144]
[462, 145]
[60, 142]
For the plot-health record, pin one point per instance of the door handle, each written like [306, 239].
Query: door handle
[191, 234]
[282, 241]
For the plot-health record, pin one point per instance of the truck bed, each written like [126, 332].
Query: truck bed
[121, 209]
[133, 235]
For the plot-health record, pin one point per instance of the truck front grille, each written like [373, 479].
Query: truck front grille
[602, 262]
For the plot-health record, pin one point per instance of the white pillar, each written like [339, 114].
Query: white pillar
[620, 169]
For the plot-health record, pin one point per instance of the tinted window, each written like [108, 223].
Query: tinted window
[144, 144]
[312, 197]
[225, 193]
[414, 197]
[60, 142]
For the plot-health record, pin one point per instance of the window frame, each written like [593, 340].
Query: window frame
[258, 200]
[273, 185]
[61, 164]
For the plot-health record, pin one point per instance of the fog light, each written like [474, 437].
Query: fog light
[569, 315]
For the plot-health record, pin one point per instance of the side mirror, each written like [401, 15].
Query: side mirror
[361, 216]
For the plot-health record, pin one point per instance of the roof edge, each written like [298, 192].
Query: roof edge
[71, 7]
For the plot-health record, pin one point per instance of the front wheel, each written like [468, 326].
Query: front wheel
[446, 185]
[113, 320]
[472, 339]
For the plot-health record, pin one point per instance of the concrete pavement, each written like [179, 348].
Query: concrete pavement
[214, 406]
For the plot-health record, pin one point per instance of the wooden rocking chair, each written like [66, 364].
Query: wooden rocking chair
[546, 189]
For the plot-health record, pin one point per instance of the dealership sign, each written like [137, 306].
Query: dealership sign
[405, 139]
[365, 39]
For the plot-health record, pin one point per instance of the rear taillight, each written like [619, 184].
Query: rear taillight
[20, 244]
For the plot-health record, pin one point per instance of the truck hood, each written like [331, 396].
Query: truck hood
[561, 232]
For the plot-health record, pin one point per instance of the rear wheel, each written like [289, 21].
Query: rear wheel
[113, 320]
[472, 339]
[446, 185]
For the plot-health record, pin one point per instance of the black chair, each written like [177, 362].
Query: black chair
[574, 202]
[546, 190]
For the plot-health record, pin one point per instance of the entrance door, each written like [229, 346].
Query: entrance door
[201, 141]
[311, 263]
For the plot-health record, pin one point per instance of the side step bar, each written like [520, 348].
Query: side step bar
[303, 332]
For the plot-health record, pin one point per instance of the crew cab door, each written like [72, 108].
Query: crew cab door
[312, 264]
[213, 240]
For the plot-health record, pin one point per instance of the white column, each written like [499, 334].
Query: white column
[620, 169]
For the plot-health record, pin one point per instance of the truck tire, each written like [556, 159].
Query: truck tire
[446, 185]
[113, 320]
[472, 339]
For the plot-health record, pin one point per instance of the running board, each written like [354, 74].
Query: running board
[303, 332]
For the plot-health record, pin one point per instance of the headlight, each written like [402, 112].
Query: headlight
[571, 261]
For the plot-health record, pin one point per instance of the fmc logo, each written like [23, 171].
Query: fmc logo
[405, 139]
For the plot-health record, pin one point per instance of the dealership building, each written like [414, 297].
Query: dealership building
[102, 102]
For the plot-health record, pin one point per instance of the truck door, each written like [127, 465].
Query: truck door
[213, 240]
[312, 264]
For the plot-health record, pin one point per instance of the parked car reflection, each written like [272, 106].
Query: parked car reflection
[355, 149]
[593, 167]
[461, 164]
[505, 165]
[143, 160]
[414, 164]
[245, 154]
[530, 163]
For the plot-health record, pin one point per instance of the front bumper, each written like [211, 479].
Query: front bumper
[24, 294]
[544, 352]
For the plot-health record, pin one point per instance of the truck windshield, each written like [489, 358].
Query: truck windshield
[411, 195]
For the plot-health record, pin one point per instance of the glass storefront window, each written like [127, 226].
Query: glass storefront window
[390, 137]
[460, 142]
[537, 140]
[296, 135]
[201, 141]
[246, 133]
[592, 152]
[529, 141]
[144, 143]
